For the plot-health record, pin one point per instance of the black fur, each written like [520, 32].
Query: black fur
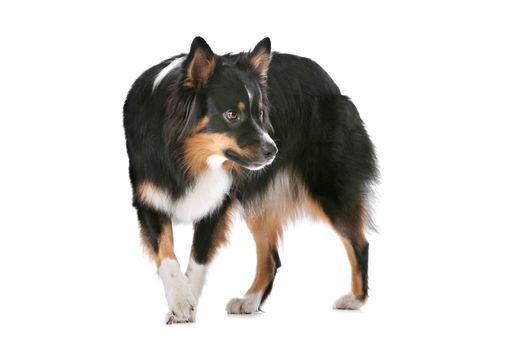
[152, 222]
[275, 263]
[318, 133]
[361, 253]
[205, 233]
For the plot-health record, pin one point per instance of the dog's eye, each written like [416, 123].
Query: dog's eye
[231, 115]
[261, 115]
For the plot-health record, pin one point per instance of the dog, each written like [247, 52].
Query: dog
[260, 132]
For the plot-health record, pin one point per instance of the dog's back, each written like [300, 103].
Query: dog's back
[318, 131]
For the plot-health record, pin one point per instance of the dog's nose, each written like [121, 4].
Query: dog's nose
[269, 150]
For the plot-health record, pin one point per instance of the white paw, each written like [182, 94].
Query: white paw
[183, 306]
[247, 305]
[196, 274]
[181, 302]
[181, 316]
[348, 302]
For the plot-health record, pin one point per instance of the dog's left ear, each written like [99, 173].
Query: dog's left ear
[200, 64]
[260, 58]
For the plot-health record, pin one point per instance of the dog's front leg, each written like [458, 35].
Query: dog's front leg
[157, 236]
[209, 234]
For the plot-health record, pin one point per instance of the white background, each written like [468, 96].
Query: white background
[441, 88]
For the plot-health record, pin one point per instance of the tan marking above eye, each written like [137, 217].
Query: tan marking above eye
[242, 106]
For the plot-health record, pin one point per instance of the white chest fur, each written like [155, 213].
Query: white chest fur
[203, 197]
[206, 195]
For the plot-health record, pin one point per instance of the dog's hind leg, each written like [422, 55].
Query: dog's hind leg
[266, 230]
[349, 222]
[351, 229]
[157, 236]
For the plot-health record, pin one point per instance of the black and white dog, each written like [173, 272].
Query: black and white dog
[265, 133]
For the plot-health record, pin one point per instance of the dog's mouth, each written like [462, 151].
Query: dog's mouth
[246, 162]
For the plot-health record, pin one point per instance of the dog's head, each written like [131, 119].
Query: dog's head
[228, 112]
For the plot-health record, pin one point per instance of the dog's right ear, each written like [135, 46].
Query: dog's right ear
[200, 64]
[260, 58]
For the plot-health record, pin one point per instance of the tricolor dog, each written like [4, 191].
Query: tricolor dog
[267, 134]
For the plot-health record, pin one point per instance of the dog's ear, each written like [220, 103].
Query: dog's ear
[200, 64]
[260, 58]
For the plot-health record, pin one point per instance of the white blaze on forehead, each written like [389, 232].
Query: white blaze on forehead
[250, 95]
[162, 74]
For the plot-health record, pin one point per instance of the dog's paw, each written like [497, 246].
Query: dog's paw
[247, 305]
[348, 302]
[183, 305]
[183, 308]
[173, 317]
[181, 302]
